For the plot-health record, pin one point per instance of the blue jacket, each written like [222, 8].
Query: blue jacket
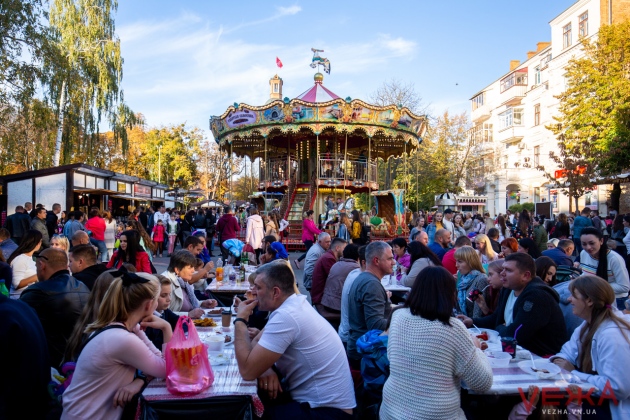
[558, 256]
[431, 229]
[372, 346]
[580, 223]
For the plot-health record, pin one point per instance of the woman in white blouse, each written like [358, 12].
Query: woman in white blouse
[22, 264]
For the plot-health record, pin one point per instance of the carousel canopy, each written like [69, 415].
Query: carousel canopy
[289, 125]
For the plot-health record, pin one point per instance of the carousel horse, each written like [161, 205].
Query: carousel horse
[319, 60]
[346, 207]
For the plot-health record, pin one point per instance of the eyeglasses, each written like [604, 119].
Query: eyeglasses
[42, 257]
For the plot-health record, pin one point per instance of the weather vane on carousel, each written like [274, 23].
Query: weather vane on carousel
[320, 61]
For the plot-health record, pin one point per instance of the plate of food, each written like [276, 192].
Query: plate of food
[485, 336]
[229, 339]
[216, 312]
[543, 369]
[205, 322]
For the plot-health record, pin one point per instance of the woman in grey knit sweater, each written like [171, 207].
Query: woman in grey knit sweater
[430, 353]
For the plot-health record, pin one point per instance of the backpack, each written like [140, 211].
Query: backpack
[566, 273]
[365, 234]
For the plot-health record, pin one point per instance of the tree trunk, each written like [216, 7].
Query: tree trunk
[62, 106]
[615, 196]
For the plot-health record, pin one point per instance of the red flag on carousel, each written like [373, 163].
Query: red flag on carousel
[278, 62]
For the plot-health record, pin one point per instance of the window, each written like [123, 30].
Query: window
[536, 156]
[511, 117]
[477, 101]
[275, 88]
[479, 134]
[537, 114]
[583, 24]
[537, 75]
[517, 78]
[566, 36]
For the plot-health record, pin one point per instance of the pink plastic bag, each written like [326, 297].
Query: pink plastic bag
[188, 370]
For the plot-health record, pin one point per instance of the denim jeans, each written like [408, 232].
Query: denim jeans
[102, 248]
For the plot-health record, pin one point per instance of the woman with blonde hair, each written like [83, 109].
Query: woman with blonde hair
[472, 276]
[597, 351]
[117, 348]
[60, 242]
[272, 226]
[484, 249]
[145, 239]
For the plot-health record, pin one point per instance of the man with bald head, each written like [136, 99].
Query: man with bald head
[423, 237]
[80, 237]
[441, 243]
[58, 300]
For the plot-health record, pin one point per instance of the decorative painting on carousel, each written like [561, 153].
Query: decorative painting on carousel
[361, 114]
[301, 112]
[241, 118]
[274, 114]
[332, 112]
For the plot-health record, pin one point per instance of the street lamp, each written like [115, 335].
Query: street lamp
[176, 185]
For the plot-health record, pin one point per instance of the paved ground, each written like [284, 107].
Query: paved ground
[161, 264]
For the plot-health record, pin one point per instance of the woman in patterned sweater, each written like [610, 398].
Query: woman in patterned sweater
[430, 353]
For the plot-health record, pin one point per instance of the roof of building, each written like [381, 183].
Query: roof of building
[318, 93]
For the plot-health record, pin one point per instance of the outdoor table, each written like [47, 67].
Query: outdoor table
[227, 288]
[396, 288]
[230, 396]
[512, 380]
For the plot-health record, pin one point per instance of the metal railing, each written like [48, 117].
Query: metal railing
[275, 170]
[351, 170]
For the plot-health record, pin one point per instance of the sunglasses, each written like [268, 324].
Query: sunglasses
[42, 257]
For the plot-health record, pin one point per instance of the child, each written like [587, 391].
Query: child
[164, 300]
[120, 228]
[524, 410]
[488, 300]
[173, 230]
[157, 235]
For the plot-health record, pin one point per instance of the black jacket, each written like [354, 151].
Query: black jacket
[155, 335]
[17, 224]
[58, 302]
[537, 309]
[24, 356]
[89, 275]
[51, 222]
[39, 224]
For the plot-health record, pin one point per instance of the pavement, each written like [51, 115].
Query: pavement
[161, 264]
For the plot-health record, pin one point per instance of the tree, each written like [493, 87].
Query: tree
[594, 122]
[87, 69]
[394, 92]
[23, 43]
[244, 186]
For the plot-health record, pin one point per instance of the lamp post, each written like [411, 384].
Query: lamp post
[160, 164]
[176, 184]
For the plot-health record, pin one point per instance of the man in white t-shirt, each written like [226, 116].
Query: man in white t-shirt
[298, 344]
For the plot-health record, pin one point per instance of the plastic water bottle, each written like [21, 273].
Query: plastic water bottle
[3, 288]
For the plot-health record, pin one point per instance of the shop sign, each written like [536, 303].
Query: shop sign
[141, 191]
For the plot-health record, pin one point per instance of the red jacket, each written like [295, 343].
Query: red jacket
[320, 275]
[97, 226]
[448, 261]
[158, 233]
[142, 262]
[228, 226]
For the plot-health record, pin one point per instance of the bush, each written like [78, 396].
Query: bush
[517, 208]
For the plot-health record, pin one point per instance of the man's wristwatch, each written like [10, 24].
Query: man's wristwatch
[140, 375]
[243, 320]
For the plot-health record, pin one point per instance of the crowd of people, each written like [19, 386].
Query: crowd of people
[104, 311]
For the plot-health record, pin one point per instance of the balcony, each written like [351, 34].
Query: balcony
[351, 173]
[513, 95]
[481, 138]
[512, 134]
[274, 174]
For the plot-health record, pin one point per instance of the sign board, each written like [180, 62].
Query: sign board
[122, 187]
[238, 118]
[141, 191]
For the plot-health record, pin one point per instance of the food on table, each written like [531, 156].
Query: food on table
[484, 345]
[540, 370]
[205, 322]
[228, 338]
[483, 336]
[215, 311]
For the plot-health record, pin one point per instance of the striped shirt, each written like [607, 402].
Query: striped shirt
[617, 272]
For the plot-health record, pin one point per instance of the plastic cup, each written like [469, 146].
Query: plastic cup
[226, 319]
[215, 343]
[508, 345]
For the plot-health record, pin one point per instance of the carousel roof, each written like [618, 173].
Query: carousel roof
[318, 93]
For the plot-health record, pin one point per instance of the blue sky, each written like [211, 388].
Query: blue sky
[188, 60]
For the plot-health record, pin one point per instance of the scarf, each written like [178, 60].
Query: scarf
[462, 289]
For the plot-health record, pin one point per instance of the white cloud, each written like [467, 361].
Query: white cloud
[186, 69]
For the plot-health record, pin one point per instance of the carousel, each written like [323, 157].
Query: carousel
[317, 144]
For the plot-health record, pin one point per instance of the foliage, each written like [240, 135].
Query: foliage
[244, 186]
[593, 127]
[517, 208]
[86, 71]
[22, 46]
[394, 92]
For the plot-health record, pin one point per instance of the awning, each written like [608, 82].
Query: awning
[124, 197]
[94, 191]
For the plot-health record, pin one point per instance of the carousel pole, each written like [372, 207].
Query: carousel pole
[317, 170]
[405, 175]
[345, 167]
[417, 194]
[231, 173]
[369, 200]
[266, 177]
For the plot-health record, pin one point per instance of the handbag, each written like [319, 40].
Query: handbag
[188, 370]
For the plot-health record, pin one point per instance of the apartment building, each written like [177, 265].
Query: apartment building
[509, 116]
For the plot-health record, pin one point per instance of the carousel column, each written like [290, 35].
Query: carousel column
[266, 175]
[345, 167]
[369, 178]
[231, 172]
[317, 168]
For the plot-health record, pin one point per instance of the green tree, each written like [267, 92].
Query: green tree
[23, 43]
[85, 73]
[594, 123]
